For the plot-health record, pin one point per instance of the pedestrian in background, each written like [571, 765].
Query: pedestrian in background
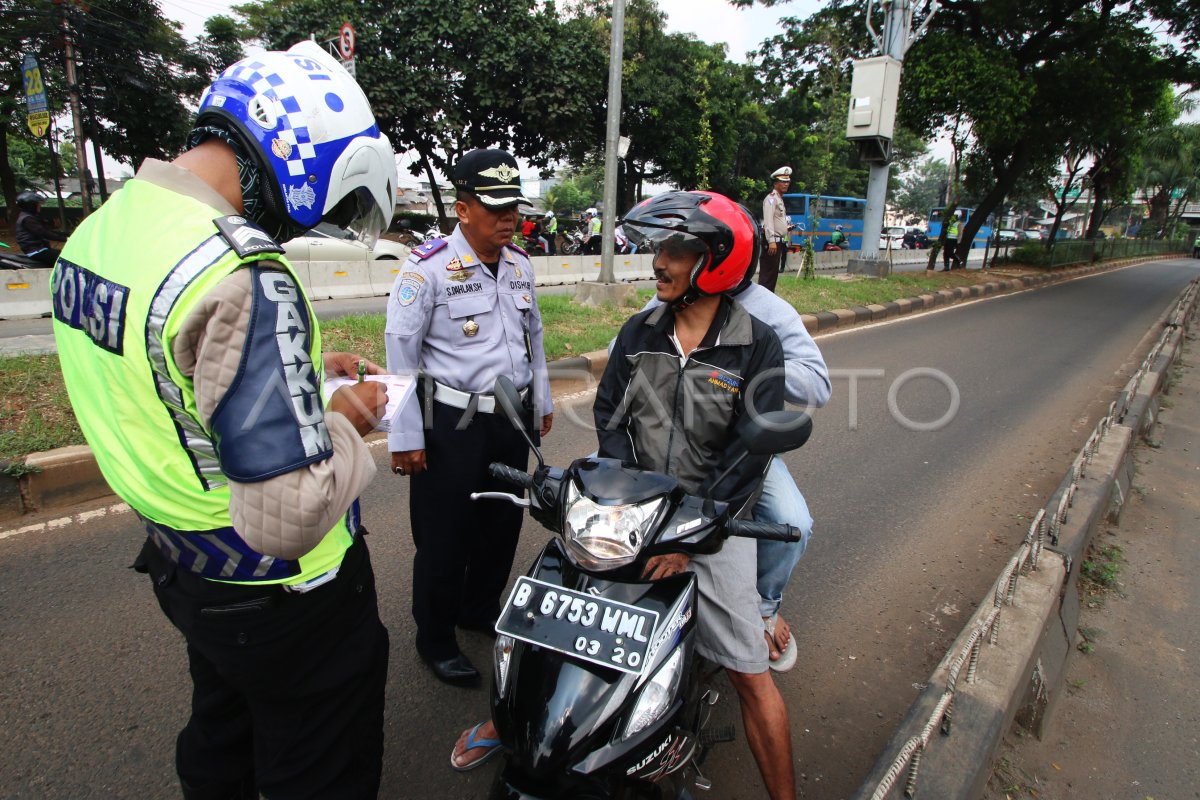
[191, 357]
[775, 226]
[463, 311]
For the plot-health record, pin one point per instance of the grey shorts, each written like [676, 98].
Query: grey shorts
[730, 629]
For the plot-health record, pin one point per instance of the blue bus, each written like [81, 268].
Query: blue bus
[981, 236]
[831, 211]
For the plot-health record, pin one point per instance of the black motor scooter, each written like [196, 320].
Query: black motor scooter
[597, 691]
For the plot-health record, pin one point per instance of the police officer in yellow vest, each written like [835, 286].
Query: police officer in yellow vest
[552, 233]
[950, 254]
[193, 361]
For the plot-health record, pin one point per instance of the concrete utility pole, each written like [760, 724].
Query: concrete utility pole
[873, 115]
[76, 115]
[616, 55]
[606, 290]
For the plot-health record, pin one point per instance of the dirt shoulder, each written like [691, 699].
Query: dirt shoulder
[1128, 725]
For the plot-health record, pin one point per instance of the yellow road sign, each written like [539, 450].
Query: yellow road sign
[39, 122]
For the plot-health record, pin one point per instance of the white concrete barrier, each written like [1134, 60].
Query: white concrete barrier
[25, 293]
[591, 268]
[557, 270]
[383, 272]
[337, 279]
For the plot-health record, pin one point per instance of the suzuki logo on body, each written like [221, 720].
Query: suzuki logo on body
[648, 760]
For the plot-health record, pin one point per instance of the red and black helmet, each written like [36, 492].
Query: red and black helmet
[722, 232]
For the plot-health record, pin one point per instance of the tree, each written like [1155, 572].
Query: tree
[1171, 174]
[25, 27]
[220, 45]
[579, 189]
[134, 72]
[1028, 78]
[444, 78]
[923, 188]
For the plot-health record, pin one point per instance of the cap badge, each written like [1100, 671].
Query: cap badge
[502, 172]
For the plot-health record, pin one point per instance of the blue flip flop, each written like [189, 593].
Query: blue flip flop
[472, 743]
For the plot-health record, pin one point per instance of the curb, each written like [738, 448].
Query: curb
[69, 475]
[1022, 680]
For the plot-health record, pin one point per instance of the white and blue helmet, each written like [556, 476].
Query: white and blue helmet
[310, 128]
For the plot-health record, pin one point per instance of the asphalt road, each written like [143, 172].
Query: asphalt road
[912, 528]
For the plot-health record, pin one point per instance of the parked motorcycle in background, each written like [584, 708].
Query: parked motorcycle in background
[597, 690]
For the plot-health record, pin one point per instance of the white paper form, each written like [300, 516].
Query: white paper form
[399, 389]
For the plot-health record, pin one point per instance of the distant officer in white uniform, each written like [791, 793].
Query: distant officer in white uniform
[463, 311]
[775, 226]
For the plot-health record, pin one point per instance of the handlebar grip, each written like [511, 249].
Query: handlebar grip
[509, 475]
[775, 531]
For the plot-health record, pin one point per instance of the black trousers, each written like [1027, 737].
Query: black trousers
[287, 689]
[949, 259]
[465, 547]
[769, 266]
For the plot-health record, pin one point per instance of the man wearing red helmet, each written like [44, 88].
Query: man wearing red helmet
[679, 378]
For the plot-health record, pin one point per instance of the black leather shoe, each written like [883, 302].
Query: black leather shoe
[457, 670]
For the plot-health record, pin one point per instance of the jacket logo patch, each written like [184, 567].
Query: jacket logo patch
[410, 287]
[727, 382]
[89, 303]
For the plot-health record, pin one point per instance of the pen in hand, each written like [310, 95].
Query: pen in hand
[362, 369]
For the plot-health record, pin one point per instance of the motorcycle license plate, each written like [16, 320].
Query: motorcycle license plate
[595, 629]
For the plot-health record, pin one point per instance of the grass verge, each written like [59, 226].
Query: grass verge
[35, 414]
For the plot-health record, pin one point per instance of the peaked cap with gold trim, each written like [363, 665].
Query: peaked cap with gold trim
[491, 175]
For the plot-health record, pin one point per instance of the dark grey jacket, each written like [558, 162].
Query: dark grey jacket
[681, 419]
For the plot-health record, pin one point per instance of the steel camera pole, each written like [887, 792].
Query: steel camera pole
[897, 38]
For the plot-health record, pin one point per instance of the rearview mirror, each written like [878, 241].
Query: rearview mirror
[509, 400]
[774, 432]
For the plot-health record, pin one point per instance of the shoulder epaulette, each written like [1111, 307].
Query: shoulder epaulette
[246, 238]
[429, 248]
[520, 250]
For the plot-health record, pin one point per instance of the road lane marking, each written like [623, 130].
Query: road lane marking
[63, 522]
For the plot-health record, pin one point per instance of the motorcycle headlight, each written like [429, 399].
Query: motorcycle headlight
[656, 696]
[606, 537]
[503, 655]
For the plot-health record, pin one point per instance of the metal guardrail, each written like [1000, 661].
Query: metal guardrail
[908, 760]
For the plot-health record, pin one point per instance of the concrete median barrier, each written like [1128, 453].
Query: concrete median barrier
[382, 273]
[330, 280]
[26, 294]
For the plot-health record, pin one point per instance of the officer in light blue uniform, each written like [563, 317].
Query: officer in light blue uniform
[462, 311]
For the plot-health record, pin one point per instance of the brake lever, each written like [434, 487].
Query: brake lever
[523, 502]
